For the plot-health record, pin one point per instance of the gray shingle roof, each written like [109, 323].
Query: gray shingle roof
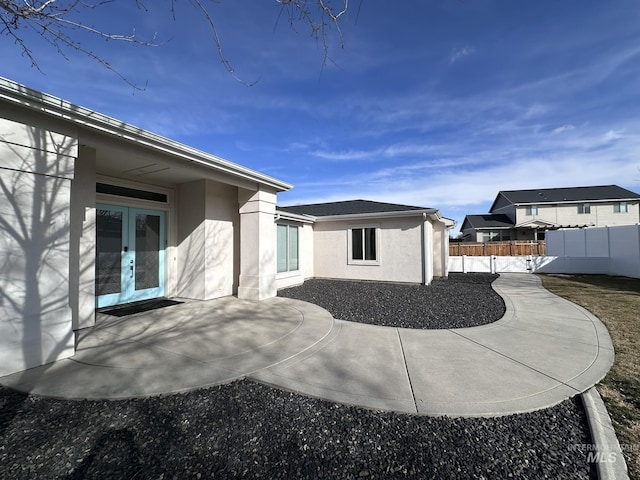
[487, 220]
[573, 194]
[349, 207]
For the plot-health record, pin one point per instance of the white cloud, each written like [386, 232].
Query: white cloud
[460, 52]
[563, 128]
[612, 136]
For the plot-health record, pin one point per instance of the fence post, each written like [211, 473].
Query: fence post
[464, 264]
[492, 263]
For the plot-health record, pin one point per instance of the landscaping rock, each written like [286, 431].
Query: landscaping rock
[248, 430]
[462, 300]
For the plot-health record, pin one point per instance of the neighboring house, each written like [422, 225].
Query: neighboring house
[361, 240]
[96, 212]
[527, 214]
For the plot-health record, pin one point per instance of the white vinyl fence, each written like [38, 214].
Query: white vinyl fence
[602, 250]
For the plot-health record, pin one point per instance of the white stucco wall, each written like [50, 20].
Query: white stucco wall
[208, 237]
[440, 250]
[37, 159]
[257, 279]
[399, 251]
[82, 272]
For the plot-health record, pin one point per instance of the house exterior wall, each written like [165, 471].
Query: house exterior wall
[602, 214]
[305, 257]
[400, 252]
[208, 238]
[37, 159]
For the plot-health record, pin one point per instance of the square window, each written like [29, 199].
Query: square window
[584, 208]
[532, 210]
[620, 207]
[363, 245]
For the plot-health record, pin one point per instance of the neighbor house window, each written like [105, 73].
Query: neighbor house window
[287, 248]
[620, 207]
[363, 245]
[531, 210]
[584, 208]
[495, 236]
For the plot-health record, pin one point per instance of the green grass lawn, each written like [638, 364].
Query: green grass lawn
[615, 301]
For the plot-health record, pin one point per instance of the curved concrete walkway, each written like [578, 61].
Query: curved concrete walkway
[544, 350]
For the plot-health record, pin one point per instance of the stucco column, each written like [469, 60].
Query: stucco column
[427, 250]
[257, 244]
[445, 251]
[82, 252]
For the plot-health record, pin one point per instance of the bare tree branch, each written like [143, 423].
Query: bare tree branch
[56, 22]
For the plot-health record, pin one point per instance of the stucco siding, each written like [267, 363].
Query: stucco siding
[208, 240]
[82, 272]
[35, 176]
[400, 251]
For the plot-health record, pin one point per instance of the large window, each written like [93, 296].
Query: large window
[287, 248]
[531, 210]
[363, 245]
[495, 236]
[584, 208]
[620, 207]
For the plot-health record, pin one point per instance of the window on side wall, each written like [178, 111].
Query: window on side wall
[584, 208]
[531, 210]
[288, 250]
[363, 245]
[620, 207]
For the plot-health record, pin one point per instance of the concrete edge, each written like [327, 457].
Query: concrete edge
[605, 448]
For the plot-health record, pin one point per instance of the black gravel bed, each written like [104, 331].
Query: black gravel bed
[249, 430]
[462, 300]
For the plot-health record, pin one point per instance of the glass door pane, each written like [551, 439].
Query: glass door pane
[109, 234]
[147, 262]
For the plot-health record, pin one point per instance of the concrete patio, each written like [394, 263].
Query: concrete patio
[544, 350]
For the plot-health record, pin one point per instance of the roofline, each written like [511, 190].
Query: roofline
[295, 217]
[565, 202]
[367, 216]
[41, 102]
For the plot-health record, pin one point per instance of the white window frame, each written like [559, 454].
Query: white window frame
[288, 253]
[618, 207]
[584, 209]
[531, 210]
[350, 259]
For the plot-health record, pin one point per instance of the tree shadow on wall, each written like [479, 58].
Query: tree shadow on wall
[35, 181]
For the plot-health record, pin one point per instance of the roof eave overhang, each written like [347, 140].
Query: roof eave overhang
[25, 97]
[576, 202]
[432, 212]
[294, 217]
[489, 227]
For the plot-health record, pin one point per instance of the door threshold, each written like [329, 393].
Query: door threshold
[133, 308]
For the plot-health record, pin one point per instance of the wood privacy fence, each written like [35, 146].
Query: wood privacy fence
[502, 249]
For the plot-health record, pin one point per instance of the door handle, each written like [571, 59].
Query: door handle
[131, 268]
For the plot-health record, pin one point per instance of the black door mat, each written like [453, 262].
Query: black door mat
[139, 307]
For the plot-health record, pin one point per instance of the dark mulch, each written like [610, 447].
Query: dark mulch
[248, 430]
[462, 300]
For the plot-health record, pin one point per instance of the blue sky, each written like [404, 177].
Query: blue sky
[431, 103]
